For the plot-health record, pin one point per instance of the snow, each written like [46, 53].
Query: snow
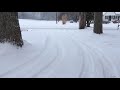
[62, 51]
[36, 24]
[110, 13]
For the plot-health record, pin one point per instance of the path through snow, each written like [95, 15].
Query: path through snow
[61, 53]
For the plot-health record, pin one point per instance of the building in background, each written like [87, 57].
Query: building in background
[111, 16]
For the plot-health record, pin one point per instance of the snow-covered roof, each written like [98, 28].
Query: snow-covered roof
[110, 13]
[104, 13]
[117, 12]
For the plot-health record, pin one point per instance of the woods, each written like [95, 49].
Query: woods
[85, 20]
[10, 28]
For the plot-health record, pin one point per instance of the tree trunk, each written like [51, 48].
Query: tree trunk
[84, 19]
[82, 22]
[9, 28]
[98, 23]
[64, 19]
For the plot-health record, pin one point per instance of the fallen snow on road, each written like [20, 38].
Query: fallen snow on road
[62, 53]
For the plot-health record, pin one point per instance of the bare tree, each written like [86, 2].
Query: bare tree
[82, 21]
[9, 29]
[98, 23]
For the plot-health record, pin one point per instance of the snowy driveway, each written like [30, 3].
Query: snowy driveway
[63, 54]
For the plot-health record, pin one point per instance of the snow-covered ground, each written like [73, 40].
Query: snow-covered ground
[62, 51]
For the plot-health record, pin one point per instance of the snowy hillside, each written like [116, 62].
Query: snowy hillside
[63, 51]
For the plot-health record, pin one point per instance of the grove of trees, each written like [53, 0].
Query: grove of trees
[10, 29]
[86, 17]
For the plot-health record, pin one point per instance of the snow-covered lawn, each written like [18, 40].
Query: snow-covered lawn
[62, 51]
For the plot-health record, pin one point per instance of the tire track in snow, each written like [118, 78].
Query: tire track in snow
[55, 65]
[91, 57]
[27, 62]
[46, 66]
[87, 63]
[65, 53]
[50, 68]
[86, 69]
[103, 60]
[88, 66]
[106, 64]
[84, 61]
[52, 60]
[82, 55]
[109, 65]
[39, 65]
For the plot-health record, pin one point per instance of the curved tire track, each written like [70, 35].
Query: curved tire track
[106, 65]
[27, 62]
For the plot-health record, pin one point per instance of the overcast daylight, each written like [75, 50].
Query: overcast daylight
[60, 45]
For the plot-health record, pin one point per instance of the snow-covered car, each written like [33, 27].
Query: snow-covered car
[92, 22]
[116, 21]
[106, 22]
[71, 21]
